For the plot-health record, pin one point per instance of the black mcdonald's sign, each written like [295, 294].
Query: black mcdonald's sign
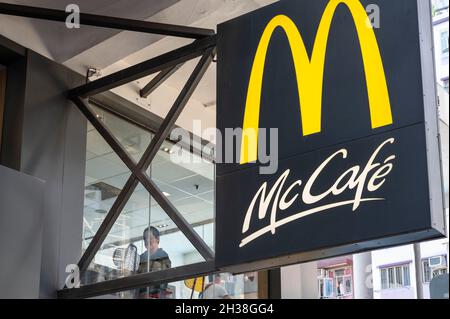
[355, 108]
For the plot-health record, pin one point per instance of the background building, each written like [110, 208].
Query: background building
[440, 26]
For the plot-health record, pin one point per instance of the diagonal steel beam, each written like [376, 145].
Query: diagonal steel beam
[124, 194]
[156, 143]
[143, 69]
[105, 133]
[178, 106]
[106, 22]
[158, 80]
[108, 223]
[138, 170]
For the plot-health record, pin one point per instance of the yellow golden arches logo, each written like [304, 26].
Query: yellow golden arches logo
[309, 74]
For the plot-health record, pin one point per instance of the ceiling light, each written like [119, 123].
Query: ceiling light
[166, 194]
[167, 150]
[162, 226]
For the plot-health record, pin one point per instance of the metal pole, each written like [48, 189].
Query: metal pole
[418, 267]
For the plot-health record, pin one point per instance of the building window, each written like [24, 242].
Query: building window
[444, 42]
[433, 267]
[343, 283]
[348, 285]
[326, 288]
[406, 276]
[384, 280]
[446, 84]
[335, 283]
[439, 7]
[395, 277]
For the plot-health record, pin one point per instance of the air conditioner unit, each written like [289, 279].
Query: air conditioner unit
[435, 262]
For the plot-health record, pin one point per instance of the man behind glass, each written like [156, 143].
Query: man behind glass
[153, 259]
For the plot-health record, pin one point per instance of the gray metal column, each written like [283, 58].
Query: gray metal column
[50, 144]
[20, 234]
[362, 271]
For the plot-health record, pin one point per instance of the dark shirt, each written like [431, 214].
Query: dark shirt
[159, 255]
[159, 260]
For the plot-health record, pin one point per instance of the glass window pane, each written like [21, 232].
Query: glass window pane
[189, 186]
[188, 182]
[406, 276]
[384, 279]
[444, 42]
[391, 275]
[106, 175]
[348, 285]
[339, 272]
[145, 239]
[398, 277]
[133, 138]
[426, 271]
[329, 288]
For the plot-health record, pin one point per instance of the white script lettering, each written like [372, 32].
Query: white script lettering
[352, 179]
